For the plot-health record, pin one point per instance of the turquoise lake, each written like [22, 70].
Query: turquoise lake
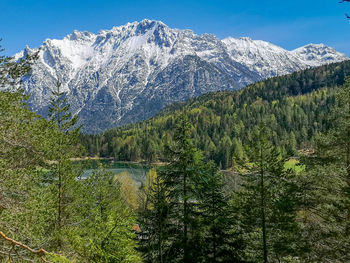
[135, 171]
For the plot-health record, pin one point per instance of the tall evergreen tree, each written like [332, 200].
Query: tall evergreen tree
[267, 202]
[179, 177]
[63, 178]
[338, 145]
[221, 240]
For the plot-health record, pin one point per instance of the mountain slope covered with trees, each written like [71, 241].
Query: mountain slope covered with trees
[294, 108]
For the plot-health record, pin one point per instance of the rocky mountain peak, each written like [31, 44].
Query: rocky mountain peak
[130, 72]
[314, 54]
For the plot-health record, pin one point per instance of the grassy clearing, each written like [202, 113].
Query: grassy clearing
[295, 165]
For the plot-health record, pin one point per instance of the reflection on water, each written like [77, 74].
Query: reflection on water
[136, 171]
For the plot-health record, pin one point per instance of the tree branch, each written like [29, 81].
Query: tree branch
[39, 252]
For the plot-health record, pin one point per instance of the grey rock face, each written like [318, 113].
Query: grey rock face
[129, 73]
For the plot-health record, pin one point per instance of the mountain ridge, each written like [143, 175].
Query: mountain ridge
[130, 72]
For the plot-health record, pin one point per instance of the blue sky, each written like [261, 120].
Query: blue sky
[289, 24]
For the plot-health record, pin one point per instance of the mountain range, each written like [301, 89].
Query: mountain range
[131, 72]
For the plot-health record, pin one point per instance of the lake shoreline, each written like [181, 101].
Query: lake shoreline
[112, 160]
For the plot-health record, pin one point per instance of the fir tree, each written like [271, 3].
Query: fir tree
[63, 178]
[179, 179]
[221, 242]
[267, 203]
[187, 218]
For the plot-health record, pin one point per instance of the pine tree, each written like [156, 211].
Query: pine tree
[12, 71]
[63, 177]
[220, 240]
[173, 231]
[180, 177]
[339, 144]
[267, 203]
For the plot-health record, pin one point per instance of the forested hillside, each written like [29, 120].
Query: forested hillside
[294, 108]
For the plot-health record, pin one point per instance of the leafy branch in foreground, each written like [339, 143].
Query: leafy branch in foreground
[44, 255]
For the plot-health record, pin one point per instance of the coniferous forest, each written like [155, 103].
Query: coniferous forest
[187, 209]
[295, 109]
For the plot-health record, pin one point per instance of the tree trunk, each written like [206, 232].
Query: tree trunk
[185, 235]
[262, 196]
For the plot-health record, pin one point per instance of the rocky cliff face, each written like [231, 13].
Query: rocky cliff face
[129, 73]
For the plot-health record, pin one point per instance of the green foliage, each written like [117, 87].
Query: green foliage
[326, 205]
[180, 178]
[154, 220]
[62, 179]
[102, 231]
[24, 146]
[59, 112]
[55, 258]
[294, 165]
[220, 240]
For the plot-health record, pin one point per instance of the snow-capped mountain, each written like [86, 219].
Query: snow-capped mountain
[131, 72]
[316, 54]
